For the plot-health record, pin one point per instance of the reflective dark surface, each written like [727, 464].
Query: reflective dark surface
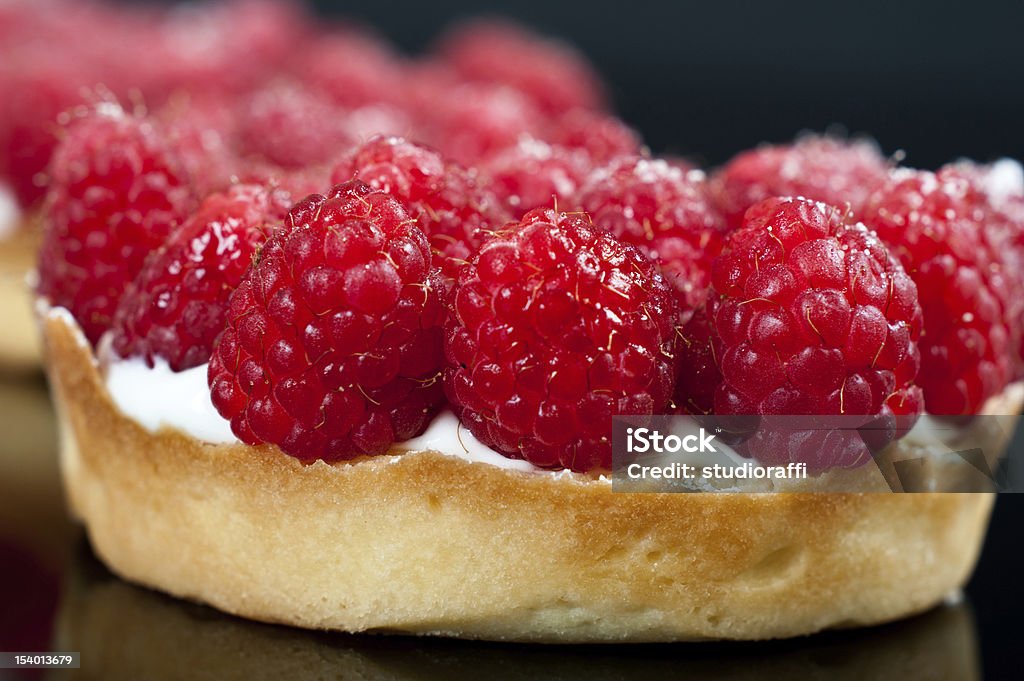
[56, 595]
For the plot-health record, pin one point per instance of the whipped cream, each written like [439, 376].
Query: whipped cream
[446, 435]
[157, 397]
[10, 213]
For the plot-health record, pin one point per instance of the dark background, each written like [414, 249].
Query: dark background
[708, 79]
[937, 80]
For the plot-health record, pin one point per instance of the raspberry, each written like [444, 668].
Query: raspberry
[822, 168]
[553, 75]
[203, 131]
[332, 347]
[814, 317]
[534, 174]
[935, 223]
[293, 127]
[38, 85]
[666, 213]
[177, 305]
[605, 138]
[454, 212]
[556, 326]
[116, 192]
[1002, 184]
[472, 122]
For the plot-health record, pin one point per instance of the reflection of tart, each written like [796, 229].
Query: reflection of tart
[125, 632]
[429, 543]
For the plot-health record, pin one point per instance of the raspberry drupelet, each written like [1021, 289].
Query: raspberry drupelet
[116, 192]
[822, 168]
[333, 343]
[666, 212]
[938, 225]
[177, 306]
[810, 314]
[554, 327]
[448, 203]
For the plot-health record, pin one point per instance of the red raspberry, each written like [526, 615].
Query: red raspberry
[935, 223]
[293, 127]
[555, 76]
[666, 213]
[116, 192]
[332, 347]
[472, 122]
[813, 316]
[605, 138]
[1002, 185]
[444, 197]
[556, 326]
[203, 131]
[535, 174]
[177, 305]
[821, 168]
[38, 85]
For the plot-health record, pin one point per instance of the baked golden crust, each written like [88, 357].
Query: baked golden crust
[19, 342]
[432, 544]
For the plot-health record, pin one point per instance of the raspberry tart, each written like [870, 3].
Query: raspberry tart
[368, 384]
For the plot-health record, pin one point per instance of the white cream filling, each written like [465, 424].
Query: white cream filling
[10, 213]
[157, 397]
[446, 435]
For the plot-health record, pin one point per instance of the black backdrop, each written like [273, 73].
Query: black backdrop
[939, 80]
[706, 80]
